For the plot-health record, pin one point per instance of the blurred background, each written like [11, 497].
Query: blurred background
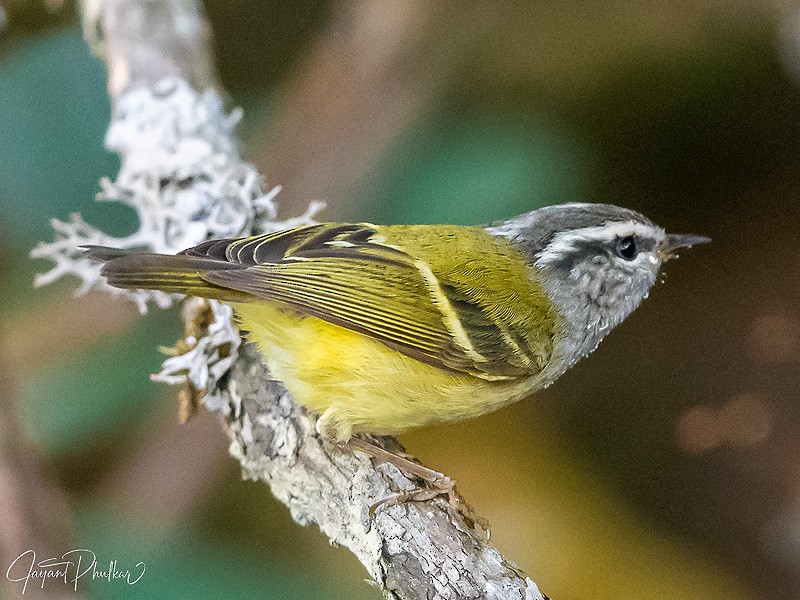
[667, 465]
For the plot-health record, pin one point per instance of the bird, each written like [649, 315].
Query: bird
[378, 329]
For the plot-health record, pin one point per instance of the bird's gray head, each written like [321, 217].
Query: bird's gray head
[596, 262]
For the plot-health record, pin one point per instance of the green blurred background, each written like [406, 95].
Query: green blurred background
[667, 465]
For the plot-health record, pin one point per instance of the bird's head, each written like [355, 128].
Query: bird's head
[596, 262]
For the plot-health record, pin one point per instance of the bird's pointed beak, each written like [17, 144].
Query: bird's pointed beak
[675, 241]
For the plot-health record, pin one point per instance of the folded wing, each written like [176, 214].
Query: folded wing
[348, 275]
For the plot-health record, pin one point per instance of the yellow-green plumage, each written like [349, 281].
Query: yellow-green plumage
[358, 384]
[378, 329]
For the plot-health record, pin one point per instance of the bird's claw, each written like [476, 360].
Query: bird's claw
[439, 486]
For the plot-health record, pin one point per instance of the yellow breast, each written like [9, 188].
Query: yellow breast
[358, 384]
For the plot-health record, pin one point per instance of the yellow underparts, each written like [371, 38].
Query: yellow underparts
[356, 383]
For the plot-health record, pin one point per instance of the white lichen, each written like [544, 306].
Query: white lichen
[210, 356]
[183, 175]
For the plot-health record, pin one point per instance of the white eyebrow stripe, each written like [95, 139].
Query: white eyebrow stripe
[565, 242]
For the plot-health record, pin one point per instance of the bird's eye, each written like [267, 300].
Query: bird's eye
[626, 248]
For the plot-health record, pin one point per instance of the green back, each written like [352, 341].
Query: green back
[490, 286]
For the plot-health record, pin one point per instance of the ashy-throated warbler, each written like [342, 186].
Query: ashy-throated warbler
[379, 329]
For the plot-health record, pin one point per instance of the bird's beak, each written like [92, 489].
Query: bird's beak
[675, 241]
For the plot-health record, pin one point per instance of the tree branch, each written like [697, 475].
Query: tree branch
[412, 551]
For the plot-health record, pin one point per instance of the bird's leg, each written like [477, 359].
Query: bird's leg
[403, 462]
[438, 484]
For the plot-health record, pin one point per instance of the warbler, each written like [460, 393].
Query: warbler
[379, 329]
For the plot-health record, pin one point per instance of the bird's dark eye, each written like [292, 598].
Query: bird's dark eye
[626, 248]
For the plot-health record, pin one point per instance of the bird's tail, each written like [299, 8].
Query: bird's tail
[181, 274]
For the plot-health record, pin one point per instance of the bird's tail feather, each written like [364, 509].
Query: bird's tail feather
[180, 274]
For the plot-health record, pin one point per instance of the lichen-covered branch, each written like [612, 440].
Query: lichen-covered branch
[182, 173]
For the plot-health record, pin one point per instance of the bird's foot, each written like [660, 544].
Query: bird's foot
[436, 484]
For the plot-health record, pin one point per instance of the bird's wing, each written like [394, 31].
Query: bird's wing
[359, 276]
[453, 297]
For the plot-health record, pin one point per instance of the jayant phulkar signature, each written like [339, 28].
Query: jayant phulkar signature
[70, 567]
